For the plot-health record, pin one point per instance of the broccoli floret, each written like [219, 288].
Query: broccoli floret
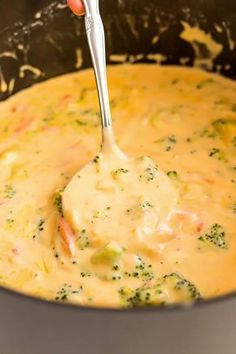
[203, 83]
[234, 141]
[66, 292]
[149, 167]
[225, 127]
[143, 271]
[218, 154]
[173, 175]
[171, 288]
[57, 201]
[234, 208]
[9, 191]
[83, 240]
[215, 236]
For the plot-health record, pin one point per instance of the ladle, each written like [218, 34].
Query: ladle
[115, 196]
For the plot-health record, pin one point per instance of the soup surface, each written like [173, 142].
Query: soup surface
[185, 120]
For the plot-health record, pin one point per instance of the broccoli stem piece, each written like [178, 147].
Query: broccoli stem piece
[110, 254]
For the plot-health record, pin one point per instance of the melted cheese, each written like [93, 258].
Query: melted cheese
[185, 120]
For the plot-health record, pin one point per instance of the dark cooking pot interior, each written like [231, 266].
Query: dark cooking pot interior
[46, 36]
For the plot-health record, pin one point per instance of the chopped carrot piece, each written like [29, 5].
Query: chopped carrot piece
[19, 108]
[209, 180]
[185, 214]
[65, 100]
[15, 251]
[200, 226]
[23, 125]
[67, 236]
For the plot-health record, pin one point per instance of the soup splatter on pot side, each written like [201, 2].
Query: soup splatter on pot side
[185, 120]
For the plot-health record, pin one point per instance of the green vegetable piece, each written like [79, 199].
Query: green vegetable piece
[175, 81]
[182, 289]
[226, 128]
[234, 141]
[154, 119]
[171, 288]
[172, 175]
[234, 208]
[143, 271]
[96, 159]
[208, 133]
[9, 191]
[215, 236]
[233, 107]
[108, 255]
[66, 291]
[218, 154]
[57, 201]
[80, 123]
[149, 168]
[83, 240]
[203, 83]
[169, 141]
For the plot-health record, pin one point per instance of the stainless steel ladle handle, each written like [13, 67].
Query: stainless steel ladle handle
[96, 39]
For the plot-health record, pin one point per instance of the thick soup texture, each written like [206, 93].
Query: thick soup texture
[185, 120]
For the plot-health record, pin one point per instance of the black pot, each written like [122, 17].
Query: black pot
[46, 36]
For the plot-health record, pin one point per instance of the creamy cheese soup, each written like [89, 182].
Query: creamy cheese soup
[86, 245]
